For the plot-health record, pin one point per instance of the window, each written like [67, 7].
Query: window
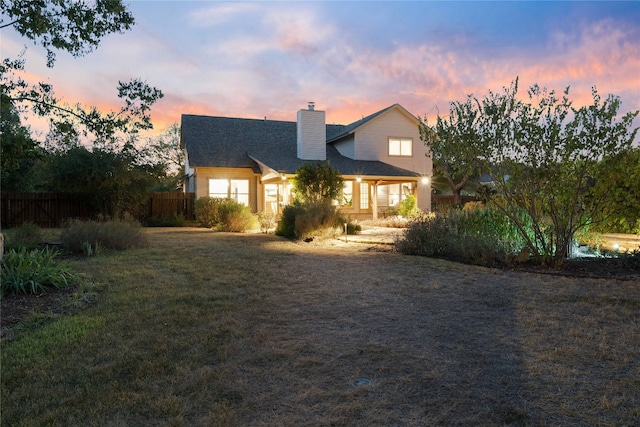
[394, 194]
[236, 189]
[401, 147]
[364, 195]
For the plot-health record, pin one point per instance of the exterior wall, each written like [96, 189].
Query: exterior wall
[189, 185]
[347, 147]
[203, 175]
[424, 196]
[311, 135]
[371, 142]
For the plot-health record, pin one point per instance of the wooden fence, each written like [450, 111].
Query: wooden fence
[171, 204]
[51, 210]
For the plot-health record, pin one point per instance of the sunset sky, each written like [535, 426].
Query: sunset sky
[267, 59]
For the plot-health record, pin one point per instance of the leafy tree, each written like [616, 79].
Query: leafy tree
[618, 177]
[315, 182]
[316, 186]
[112, 179]
[18, 151]
[165, 150]
[455, 146]
[76, 27]
[543, 155]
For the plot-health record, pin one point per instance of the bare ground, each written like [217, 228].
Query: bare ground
[356, 334]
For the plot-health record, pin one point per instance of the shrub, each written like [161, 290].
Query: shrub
[177, 220]
[408, 207]
[267, 221]
[206, 210]
[90, 237]
[235, 217]
[480, 236]
[353, 228]
[224, 214]
[28, 236]
[300, 220]
[33, 271]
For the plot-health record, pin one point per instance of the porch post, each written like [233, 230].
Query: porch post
[374, 199]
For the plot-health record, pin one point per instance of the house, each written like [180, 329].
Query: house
[380, 157]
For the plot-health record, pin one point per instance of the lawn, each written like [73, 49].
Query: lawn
[217, 329]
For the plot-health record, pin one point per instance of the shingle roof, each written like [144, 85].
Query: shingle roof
[235, 142]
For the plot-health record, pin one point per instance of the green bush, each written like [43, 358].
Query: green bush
[287, 225]
[408, 207]
[480, 236]
[353, 228]
[90, 237]
[305, 219]
[206, 210]
[33, 271]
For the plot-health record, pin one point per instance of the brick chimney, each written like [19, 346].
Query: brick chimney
[312, 134]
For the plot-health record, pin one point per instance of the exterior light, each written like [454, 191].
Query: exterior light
[284, 177]
[616, 247]
[425, 180]
[359, 178]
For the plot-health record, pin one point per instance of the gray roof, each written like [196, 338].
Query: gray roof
[235, 143]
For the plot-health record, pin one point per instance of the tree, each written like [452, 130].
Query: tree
[547, 154]
[76, 27]
[455, 146]
[315, 182]
[543, 155]
[18, 151]
[165, 150]
[618, 178]
[113, 180]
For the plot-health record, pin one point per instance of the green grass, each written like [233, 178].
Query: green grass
[216, 329]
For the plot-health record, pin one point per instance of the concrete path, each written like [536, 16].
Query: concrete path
[375, 235]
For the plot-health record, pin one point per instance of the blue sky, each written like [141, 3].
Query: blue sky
[257, 59]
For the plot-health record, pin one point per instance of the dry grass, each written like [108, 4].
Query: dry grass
[251, 330]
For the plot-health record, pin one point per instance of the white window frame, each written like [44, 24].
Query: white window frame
[400, 147]
[364, 195]
[233, 189]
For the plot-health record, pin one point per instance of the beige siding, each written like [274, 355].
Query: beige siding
[371, 142]
[203, 175]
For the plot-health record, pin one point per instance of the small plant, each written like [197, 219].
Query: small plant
[408, 207]
[90, 237]
[33, 271]
[267, 221]
[89, 249]
[353, 228]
